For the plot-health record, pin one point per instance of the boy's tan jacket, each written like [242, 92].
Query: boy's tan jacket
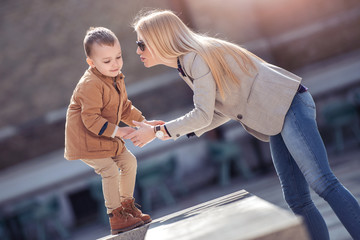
[94, 102]
[260, 102]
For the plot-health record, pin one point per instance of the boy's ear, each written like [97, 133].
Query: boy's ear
[90, 62]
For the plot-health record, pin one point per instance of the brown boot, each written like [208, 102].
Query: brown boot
[129, 207]
[121, 221]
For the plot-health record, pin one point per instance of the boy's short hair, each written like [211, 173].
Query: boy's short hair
[99, 35]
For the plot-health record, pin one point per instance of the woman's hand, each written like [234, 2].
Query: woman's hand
[154, 122]
[143, 135]
[123, 131]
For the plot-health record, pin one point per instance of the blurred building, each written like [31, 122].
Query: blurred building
[42, 55]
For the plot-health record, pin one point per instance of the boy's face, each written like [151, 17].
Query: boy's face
[106, 59]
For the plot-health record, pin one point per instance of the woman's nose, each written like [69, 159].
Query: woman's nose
[138, 51]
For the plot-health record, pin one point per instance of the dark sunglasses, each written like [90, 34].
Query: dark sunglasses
[141, 45]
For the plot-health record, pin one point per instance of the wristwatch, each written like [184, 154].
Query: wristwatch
[158, 132]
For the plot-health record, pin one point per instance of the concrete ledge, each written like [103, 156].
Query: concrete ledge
[135, 234]
[236, 216]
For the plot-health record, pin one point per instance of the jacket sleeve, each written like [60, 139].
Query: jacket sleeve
[89, 96]
[129, 112]
[204, 102]
[218, 120]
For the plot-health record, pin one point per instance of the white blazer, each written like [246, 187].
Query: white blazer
[260, 102]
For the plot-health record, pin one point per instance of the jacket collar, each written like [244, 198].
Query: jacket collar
[186, 61]
[107, 79]
[180, 68]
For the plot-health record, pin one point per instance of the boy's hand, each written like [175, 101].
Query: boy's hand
[154, 122]
[143, 135]
[123, 131]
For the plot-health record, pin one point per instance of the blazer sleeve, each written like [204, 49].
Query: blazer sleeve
[218, 120]
[89, 95]
[204, 102]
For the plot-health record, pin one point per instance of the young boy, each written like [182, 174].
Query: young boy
[98, 104]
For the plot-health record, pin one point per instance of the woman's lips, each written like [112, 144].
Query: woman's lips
[142, 59]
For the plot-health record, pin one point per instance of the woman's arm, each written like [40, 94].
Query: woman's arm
[201, 116]
[218, 120]
[204, 88]
[154, 122]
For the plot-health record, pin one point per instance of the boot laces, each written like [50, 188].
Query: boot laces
[121, 213]
[135, 206]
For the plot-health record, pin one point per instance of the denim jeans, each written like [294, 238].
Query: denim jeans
[300, 160]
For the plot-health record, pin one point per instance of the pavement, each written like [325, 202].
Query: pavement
[345, 165]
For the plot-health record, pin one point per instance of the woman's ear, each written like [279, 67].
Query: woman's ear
[90, 62]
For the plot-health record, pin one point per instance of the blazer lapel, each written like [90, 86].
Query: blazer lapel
[187, 78]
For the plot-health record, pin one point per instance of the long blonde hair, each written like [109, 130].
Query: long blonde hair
[169, 37]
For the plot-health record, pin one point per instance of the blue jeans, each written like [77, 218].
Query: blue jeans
[300, 160]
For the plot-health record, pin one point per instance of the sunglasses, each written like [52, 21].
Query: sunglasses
[141, 45]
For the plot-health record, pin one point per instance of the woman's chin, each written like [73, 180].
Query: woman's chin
[147, 65]
[150, 64]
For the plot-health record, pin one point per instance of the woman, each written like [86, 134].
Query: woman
[230, 83]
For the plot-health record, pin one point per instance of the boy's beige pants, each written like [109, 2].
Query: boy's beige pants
[116, 184]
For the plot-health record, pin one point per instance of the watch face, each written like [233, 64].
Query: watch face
[159, 134]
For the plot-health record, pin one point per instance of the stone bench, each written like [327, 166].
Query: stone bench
[236, 216]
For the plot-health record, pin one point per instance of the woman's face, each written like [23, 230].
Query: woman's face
[149, 59]
[146, 57]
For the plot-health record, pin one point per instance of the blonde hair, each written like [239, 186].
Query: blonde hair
[169, 37]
